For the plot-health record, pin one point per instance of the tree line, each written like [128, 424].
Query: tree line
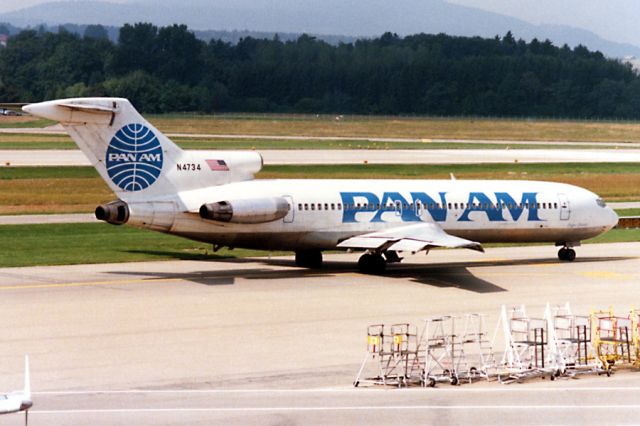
[168, 69]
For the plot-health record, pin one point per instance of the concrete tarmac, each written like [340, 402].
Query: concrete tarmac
[260, 341]
[355, 156]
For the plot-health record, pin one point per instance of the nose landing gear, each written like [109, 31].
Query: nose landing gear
[567, 254]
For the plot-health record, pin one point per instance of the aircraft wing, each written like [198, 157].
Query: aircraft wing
[422, 236]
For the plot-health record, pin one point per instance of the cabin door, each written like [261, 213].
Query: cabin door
[565, 207]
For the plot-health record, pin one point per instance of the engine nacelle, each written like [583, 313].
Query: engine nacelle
[255, 210]
[115, 212]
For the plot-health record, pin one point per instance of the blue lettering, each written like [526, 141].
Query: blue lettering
[484, 205]
[528, 200]
[350, 207]
[437, 211]
[407, 214]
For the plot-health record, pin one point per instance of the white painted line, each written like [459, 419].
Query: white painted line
[500, 389]
[346, 408]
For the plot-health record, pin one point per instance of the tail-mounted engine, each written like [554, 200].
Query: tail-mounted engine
[115, 212]
[255, 210]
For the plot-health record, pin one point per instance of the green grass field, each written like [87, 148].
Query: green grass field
[361, 126]
[30, 142]
[65, 244]
[80, 189]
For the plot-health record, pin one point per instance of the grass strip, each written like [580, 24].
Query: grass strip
[421, 128]
[628, 212]
[66, 244]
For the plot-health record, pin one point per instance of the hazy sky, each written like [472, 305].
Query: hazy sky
[616, 20]
[9, 5]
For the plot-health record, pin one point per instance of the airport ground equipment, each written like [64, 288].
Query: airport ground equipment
[572, 340]
[560, 344]
[479, 360]
[527, 351]
[611, 338]
[392, 358]
[440, 351]
[634, 314]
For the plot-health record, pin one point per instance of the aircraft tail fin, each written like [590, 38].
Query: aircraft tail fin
[134, 158]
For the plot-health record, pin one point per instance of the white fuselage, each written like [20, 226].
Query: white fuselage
[325, 212]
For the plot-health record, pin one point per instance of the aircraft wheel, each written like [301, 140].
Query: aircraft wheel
[370, 263]
[567, 254]
[309, 259]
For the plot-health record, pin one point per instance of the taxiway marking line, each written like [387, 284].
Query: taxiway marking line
[337, 408]
[90, 283]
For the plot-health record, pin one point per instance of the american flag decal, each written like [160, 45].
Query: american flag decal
[217, 165]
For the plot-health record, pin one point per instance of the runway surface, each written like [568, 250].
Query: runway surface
[260, 341]
[396, 156]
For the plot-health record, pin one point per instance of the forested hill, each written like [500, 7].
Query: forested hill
[169, 69]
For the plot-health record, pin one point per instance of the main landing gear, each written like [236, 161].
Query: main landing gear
[309, 259]
[372, 263]
[376, 263]
[567, 254]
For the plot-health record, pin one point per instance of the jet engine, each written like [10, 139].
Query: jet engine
[255, 210]
[115, 212]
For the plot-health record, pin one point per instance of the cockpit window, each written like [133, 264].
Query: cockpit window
[601, 202]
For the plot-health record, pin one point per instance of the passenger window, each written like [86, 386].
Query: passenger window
[306, 206]
[555, 205]
[319, 206]
[339, 206]
[333, 206]
[326, 206]
[299, 206]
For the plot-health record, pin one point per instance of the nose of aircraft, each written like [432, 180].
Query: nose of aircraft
[611, 218]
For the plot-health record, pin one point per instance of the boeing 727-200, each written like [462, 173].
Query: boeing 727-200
[211, 196]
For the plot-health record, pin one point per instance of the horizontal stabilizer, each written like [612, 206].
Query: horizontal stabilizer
[100, 109]
[422, 236]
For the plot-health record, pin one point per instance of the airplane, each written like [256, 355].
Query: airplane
[212, 197]
[18, 401]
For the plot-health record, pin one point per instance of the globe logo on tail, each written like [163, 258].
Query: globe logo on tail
[134, 158]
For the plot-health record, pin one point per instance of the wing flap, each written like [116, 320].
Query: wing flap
[408, 245]
[363, 242]
[410, 238]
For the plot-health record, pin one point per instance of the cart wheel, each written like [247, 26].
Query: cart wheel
[473, 371]
[552, 377]
[355, 384]
[431, 383]
[608, 373]
[454, 381]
